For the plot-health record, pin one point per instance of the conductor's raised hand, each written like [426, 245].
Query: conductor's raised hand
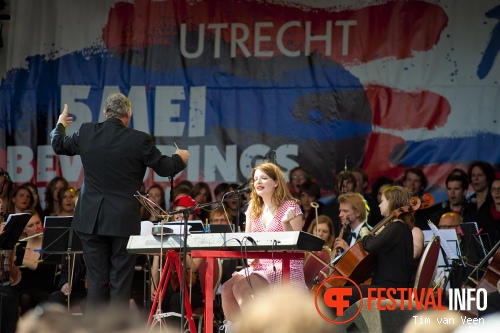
[184, 154]
[64, 118]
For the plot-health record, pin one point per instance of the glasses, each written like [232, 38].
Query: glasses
[298, 177]
[447, 226]
[495, 189]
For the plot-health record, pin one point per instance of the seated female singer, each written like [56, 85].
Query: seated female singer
[393, 246]
[271, 208]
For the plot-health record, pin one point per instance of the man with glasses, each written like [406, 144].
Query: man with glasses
[218, 217]
[298, 176]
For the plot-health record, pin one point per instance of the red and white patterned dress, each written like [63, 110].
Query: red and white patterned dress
[265, 266]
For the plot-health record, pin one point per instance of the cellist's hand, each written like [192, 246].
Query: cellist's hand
[340, 245]
[365, 232]
[379, 230]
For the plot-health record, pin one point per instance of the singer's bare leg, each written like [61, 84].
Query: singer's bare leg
[236, 293]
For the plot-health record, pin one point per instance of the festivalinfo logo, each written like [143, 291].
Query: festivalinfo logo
[336, 302]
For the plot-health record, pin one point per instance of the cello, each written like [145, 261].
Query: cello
[355, 263]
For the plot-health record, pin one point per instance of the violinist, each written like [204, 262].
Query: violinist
[8, 297]
[353, 215]
[393, 246]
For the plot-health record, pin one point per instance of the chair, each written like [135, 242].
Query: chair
[428, 263]
[316, 268]
[199, 313]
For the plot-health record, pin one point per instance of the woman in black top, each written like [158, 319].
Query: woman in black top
[393, 246]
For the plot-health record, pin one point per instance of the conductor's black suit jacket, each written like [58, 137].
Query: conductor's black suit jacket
[114, 159]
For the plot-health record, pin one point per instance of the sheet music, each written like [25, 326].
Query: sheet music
[445, 237]
[451, 251]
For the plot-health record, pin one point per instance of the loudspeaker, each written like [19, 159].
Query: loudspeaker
[375, 321]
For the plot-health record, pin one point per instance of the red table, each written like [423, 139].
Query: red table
[211, 255]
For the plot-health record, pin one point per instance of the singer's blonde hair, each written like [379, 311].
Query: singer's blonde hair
[281, 192]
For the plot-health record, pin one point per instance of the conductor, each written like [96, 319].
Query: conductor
[114, 159]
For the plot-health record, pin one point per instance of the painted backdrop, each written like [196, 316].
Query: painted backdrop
[384, 84]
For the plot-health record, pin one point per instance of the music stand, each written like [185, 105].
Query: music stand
[221, 228]
[13, 229]
[8, 239]
[160, 214]
[475, 243]
[59, 240]
[195, 226]
[450, 256]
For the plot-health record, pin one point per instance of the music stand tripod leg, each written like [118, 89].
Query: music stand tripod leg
[165, 276]
[172, 261]
[70, 282]
[187, 303]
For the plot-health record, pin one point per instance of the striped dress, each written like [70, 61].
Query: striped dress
[265, 266]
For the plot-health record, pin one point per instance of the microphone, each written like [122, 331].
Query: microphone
[245, 190]
[344, 177]
[345, 167]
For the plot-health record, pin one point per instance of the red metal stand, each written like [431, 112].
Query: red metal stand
[211, 255]
[171, 262]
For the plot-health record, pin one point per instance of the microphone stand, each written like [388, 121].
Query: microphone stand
[182, 284]
[157, 212]
[185, 217]
[238, 203]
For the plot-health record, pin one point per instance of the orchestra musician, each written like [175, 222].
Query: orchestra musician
[322, 226]
[38, 278]
[271, 208]
[393, 246]
[353, 216]
[10, 275]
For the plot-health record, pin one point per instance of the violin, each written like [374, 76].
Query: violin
[10, 270]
